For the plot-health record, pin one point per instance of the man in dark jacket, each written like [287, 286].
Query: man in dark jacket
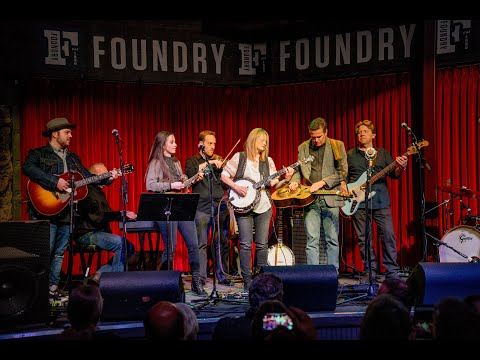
[93, 224]
[43, 166]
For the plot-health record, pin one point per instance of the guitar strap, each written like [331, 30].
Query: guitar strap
[337, 154]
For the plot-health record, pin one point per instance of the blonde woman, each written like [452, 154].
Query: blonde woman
[254, 164]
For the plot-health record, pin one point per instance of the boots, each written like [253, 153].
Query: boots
[197, 286]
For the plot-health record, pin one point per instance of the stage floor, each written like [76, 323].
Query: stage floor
[339, 324]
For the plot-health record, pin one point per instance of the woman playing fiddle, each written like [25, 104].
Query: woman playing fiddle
[203, 216]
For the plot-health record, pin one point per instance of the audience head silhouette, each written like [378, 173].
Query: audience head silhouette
[265, 286]
[399, 289]
[386, 318]
[83, 311]
[190, 321]
[164, 321]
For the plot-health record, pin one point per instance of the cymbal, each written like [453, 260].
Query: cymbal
[461, 191]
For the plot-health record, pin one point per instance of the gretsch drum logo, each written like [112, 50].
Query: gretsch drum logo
[464, 237]
[61, 46]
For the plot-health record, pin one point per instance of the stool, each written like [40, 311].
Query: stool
[86, 264]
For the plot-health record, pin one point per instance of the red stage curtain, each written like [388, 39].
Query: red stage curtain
[139, 111]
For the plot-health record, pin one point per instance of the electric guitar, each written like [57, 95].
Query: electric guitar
[283, 197]
[52, 202]
[248, 202]
[357, 188]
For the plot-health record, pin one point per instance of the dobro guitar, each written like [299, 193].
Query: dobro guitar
[357, 188]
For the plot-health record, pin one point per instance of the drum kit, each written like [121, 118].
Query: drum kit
[461, 243]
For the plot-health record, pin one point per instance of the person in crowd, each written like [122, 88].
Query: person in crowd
[327, 171]
[164, 173]
[84, 309]
[207, 202]
[43, 166]
[454, 319]
[92, 226]
[398, 288]
[254, 164]
[265, 286]
[164, 321]
[380, 202]
[274, 321]
[386, 318]
[190, 321]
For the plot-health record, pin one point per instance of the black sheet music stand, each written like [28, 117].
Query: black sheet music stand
[167, 207]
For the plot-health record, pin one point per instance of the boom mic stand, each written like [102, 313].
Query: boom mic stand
[368, 222]
[124, 201]
[422, 163]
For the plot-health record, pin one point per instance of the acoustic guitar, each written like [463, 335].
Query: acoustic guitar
[52, 202]
[283, 197]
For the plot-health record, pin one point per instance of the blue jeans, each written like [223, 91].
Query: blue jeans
[108, 242]
[204, 225]
[245, 224]
[59, 236]
[316, 215]
[189, 234]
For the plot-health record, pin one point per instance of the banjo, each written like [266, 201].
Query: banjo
[280, 254]
[251, 199]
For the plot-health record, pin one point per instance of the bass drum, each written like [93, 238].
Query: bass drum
[280, 255]
[464, 239]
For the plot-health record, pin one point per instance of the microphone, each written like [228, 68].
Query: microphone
[370, 153]
[115, 132]
[405, 126]
[200, 146]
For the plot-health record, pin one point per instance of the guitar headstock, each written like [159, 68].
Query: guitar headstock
[413, 149]
[127, 169]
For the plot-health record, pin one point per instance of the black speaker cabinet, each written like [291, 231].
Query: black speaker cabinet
[24, 270]
[308, 287]
[431, 282]
[128, 295]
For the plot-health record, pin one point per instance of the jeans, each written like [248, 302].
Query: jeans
[59, 236]
[246, 224]
[204, 225]
[189, 234]
[108, 242]
[383, 218]
[316, 215]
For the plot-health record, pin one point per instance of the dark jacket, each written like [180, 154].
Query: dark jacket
[41, 166]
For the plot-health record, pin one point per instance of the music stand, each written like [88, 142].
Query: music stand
[167, 207]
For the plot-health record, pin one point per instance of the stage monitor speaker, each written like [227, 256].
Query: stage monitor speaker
[128, 295]
[308, 287]
[24, 270]
[431, 282]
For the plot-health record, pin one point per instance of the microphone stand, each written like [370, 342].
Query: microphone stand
[70, 232]
[368, 227]
[211, 178]
[125, 202]
[422, 163]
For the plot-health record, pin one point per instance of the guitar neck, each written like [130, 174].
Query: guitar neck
[92, 179]
[189, 182]
[274, 176]
[384, 171]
